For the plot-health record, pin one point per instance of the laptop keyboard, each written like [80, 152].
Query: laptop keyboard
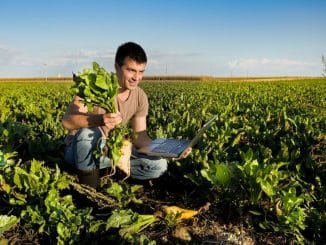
[173, 146]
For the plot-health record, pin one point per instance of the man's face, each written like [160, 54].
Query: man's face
[130, 73]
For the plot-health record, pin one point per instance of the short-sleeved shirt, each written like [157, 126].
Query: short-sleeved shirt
[135, 105]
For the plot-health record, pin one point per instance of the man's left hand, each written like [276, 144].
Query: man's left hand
[185, 154]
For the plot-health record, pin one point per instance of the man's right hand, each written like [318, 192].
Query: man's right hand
[111, 120]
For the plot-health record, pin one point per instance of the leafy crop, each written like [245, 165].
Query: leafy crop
[7, 222]
[263, 159]
[35, 193]
[100, 88]
[97, 87]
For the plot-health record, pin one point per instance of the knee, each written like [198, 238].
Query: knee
[162, 167]
[87, 134]
[84, 144]
[148, 169]
[87, 138]
[158, 169]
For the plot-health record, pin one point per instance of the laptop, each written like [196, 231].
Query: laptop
[173, 148]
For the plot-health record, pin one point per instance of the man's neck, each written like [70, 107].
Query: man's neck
[123, 94]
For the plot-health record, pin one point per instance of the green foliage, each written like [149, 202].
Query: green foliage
[38, 180]
[217, 174]
[279, 186]
[129, 222]
[264, 153]
[171, 220]
[7, 222]
[259, 148]
[30, 119]
[6, 158]
[124, 193]
[35, 191]
[99, 87]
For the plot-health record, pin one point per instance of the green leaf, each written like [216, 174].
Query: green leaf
[254, 212]
[263, 226]
[267, 188]
[223, 174]
[3, 185]
[101, 82]
[206, 174]
[119, 218]
[64, 232]
[7, 222]
[96, 226]
[237, 139]
[17, 180]
[5, 132]
[116, 191]
[247, 156]
[96, 66]
[138, 225]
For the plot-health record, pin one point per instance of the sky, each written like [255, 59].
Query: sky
[181, 37]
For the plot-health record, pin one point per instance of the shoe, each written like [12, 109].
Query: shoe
[89, 177]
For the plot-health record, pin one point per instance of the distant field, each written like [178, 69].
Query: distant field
[169, 78]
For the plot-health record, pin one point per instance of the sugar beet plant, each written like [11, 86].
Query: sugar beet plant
[98, 87]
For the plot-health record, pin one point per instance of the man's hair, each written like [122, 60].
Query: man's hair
[132, 50]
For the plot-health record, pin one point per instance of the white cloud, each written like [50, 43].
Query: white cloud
[82, 56]
[7, 54]
[252, 63]
[172, 62]
[159, 54]
[15, 62]
[15, 57]
[84, 53]
[280, 66]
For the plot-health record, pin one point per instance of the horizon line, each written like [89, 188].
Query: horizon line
[170, 77]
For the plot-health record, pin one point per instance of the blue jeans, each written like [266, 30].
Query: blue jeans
[79, 154]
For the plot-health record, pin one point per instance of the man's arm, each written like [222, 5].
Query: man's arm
[141, 138]
[139, 126]
[77, 116]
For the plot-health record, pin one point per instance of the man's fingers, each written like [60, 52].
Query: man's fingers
[112, 119]
[186, 153]
[183, 155]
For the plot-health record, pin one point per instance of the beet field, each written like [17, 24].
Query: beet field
[257, 176]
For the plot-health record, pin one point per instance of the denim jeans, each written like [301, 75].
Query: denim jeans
[79, 154]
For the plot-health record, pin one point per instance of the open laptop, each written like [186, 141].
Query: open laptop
[173, 148]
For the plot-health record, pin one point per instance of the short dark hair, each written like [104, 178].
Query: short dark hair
[132, 50]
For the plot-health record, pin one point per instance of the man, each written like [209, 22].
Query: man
[86, 129]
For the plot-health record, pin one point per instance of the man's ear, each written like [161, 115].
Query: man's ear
[116, 66]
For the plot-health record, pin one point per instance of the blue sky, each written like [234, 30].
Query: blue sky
[181, 37]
